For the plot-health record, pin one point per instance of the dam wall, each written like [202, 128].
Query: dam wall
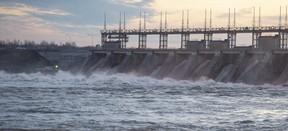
[70, 60]
[240, 66]
[22, 61]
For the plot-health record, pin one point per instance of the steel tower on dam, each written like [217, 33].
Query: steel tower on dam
[118, 38]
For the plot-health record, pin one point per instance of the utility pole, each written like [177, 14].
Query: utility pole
[140, 24]
[253, 18]
[144, 26]
[161, 21]
[187, 19]
[286, 18]
[234, 20]
[182, 20]
[280, 18]
[205, 22]
[124, 23]
[120, 24]
[259, 24]
[165, 20]
[229, 23]
[210, 26]
[105, 22]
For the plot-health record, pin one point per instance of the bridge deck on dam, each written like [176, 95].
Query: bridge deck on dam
[220, 30]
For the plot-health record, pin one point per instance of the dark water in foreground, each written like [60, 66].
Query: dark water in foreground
[126, 102]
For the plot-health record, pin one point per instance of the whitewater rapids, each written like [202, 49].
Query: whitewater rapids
[102, 101]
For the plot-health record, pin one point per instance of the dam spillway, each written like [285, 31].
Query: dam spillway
[241, 66]
[265, 61]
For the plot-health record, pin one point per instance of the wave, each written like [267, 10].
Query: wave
[100, 78]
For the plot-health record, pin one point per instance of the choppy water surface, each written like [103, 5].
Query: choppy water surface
[124, 102]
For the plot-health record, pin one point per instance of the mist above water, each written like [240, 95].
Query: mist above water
[249, 68]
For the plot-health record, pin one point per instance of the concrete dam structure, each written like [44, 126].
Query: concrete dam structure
[240, 66]
[68, 60]
[23, 61]
[265, 61]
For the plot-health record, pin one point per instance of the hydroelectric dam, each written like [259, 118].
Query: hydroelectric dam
[265, 61]
[246, 66]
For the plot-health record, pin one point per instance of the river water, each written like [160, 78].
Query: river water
[128, 102]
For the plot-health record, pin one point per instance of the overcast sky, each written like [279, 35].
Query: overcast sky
[60, 20]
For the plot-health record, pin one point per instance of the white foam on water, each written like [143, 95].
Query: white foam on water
[205, 102]
[67, 79]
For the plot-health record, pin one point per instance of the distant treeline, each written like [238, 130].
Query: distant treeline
[43, 45]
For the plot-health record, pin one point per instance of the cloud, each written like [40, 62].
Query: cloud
[51, 20]
[132, 1]
[11, 11]
[245, 11]
[20, 9]
[21, 21]
[241, 13]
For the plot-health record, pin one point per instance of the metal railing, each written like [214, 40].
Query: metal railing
[198, 30]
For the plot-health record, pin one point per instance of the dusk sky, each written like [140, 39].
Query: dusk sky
[58, 20]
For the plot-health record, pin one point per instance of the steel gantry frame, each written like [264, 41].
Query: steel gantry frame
[163, 41]
[231, 35]
[163, 38]
[256, 33]
[185, 36]
[185, 32]
[207, 34]
[142, 43]
[284, 34]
